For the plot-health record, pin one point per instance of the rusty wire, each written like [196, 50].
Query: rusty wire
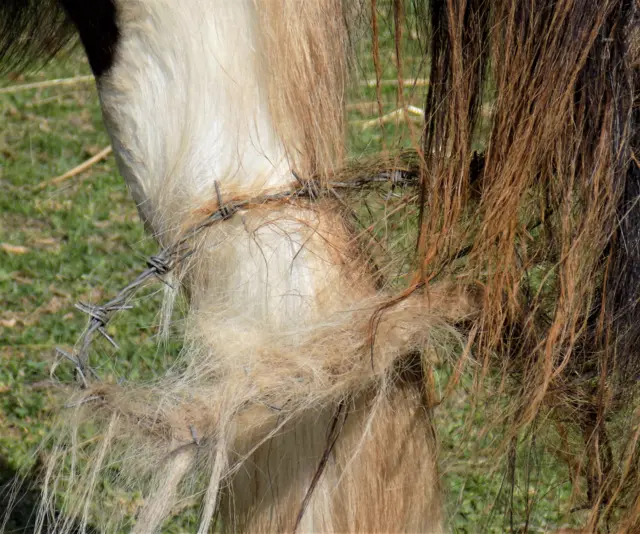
[161, 264]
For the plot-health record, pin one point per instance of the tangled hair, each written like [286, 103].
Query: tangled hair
[550, 222]
[525, 255]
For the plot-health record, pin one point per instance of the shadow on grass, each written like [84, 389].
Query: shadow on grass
[19, 498]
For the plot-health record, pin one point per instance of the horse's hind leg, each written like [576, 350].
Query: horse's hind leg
[387, 467]
[380, 477]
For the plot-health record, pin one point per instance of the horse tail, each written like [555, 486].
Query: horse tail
[32, 32]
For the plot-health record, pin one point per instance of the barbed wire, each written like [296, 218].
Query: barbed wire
[163, 263]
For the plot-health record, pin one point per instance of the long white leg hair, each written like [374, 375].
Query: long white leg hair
[306, 416]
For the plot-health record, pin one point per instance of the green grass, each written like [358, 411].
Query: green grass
[78, 241]
[82, 241]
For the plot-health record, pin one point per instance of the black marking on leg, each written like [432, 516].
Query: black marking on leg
[96, 22]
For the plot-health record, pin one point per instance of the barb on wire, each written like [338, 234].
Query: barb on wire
[76, 363]
[160, 264]
[309, 188]
[163, 263]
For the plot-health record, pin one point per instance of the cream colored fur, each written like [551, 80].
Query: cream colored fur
[279, 330]
[186, 103]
